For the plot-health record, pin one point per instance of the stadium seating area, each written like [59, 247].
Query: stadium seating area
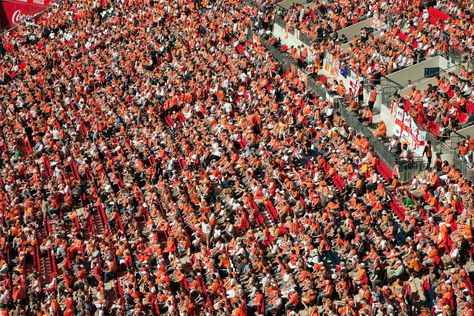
[404, 37]
[444, 107]
[422, 26]
[155, 161]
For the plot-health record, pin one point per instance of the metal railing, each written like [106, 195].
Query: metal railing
[456, 138]
[319, 89]
[378, 146]
[454, 56]
[305, 39]
[470, 62]
[389, 88]
[438, 142]
[408, 169]
[465, 167]
[460, 162]
[279, 20]
[284, 60]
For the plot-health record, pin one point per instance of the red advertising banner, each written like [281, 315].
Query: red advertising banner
[13, 12]
[38, 2]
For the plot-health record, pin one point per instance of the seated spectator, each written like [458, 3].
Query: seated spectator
[367, 116]
[381, 131]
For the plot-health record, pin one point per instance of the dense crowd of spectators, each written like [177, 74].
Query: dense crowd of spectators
[409, 31]
[156, 161]
[443, 107]
[406, 33]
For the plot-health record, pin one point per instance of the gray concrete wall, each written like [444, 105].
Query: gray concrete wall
[468, 131]
[345, 47]
[354, 30]
[422, 85]
[416, 72]
[388, 118]
[286, 4]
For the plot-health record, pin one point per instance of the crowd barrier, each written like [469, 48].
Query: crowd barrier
[464, 166]
[379, 147]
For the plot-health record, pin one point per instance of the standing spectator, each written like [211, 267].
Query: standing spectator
[360, 94]
[428, 154]
[372, 98]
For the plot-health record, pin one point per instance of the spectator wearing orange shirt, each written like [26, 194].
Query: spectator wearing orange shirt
[381, 131]
[372, 98]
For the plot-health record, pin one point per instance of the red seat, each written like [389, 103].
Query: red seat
[258, 216]
[433, 20]
[463, 117]
[243, 143]
[271, 209]
[437, 14]
[47, 166]
[37, 256]
[459, 207]
[435, 128]
[338, 181]
[169, 120]
[323, 79]
[470, 107]
[451, 93]
[407, 105]
[384, 170]
[402, 36]
[74, 169]
[102, 214]
[399, 211]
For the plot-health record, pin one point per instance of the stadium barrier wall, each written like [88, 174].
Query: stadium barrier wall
[354, 29]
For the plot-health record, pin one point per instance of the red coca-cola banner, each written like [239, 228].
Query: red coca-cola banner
[13, 12]
[38, 2]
